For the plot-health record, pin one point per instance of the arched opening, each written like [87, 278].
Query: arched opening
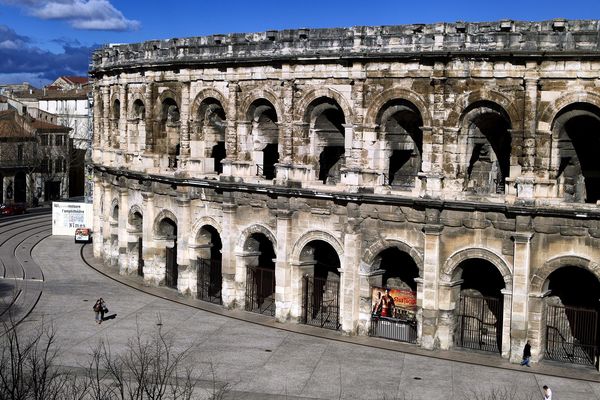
[139, 109]
[265, 137]
[260, 274]
[488, 142]
[210, 277]
[326, 121]
[135, 247]
[400, 125]
[211, 125]
[394, 296]
[167, 140]
[572, 326]
[577, 129]
[20, 187]
[480, 306]
[321, 286]
[167, 230]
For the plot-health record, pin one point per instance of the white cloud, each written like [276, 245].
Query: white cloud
[80, 14]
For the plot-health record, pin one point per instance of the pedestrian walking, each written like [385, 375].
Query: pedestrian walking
[526, 354]
[547, 393]
[100, 309]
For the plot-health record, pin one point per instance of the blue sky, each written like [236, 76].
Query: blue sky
[42, 39]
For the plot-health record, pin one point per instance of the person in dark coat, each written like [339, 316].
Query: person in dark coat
[526, 354]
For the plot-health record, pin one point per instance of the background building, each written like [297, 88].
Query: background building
[300, 173]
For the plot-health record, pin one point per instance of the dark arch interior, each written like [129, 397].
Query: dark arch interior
[170, 110]
[20, 187]
[116, 109]
[215, 241]
[115, 213]
[263, 114]
[326, 259]
[398, 265]
[139, 110]
[579, 139]
[328, 121]
[168, 229]
[137, 221]
[263, 245]
[482, 276]
[576, 287]
[489, 144]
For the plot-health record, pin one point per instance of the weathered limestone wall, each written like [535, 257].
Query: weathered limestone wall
[449, 142]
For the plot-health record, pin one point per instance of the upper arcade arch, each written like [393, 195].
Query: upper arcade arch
[549, 113]
[466, 101]
[199, 224]
[244, 110]
[203, 95]
[303, 111]
[392, 94]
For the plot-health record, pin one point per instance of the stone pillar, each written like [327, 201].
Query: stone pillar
[430, 300]
[350, 280]
[105, 139]
[185, 276]
[98, 117]
[519, 317]
[185, 119]
[149, 106]
[98, 219]
[228, 237]
[529, 118]
[433, 136]
[283, 270]
[122, 139]
[106, 223]
[286, 123]
[231, 133]
[122, 226]
[148, 243]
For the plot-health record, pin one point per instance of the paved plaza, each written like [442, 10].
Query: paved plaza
[264, 362]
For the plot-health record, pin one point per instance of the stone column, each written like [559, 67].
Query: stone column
[122, 140]
[106, 225]
[228, 237]
[122, 227]
[185, 276]
[148, 243]
[99, 117]
[350, 279]
[231, 133]
[105, 139]
[149, 106]
[185, 119]
[430, 300]
[520, 294]
[286, 123]
[433, 136]
[98, 220]
[529, 118]
[283, 270]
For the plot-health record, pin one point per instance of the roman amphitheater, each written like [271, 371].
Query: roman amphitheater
[301, 173]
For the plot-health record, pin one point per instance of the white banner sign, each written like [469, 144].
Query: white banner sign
[66, 217]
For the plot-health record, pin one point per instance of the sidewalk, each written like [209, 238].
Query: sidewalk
[468, 357]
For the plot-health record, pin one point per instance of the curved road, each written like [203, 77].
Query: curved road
[258, 362]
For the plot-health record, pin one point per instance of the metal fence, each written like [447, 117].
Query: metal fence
[394, 329]
[571, 335]
[209, 280]
[321, 302]
[260, 290]
[479, 324]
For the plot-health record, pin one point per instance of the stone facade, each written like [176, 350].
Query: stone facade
[460, 146]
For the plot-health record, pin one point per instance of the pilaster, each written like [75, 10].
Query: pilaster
[431, 276]
[520, 294]
[228, 250]
[283, 270]
[185, 119]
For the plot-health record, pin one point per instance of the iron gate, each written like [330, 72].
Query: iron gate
[260, 290]
[171, 267]
[571, 334]
[479, 324]
[321, 302]
[209, 280]
[140, 264]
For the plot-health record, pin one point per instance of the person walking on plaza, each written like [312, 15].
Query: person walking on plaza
[100, 308]
[526, 354]
[547, 393]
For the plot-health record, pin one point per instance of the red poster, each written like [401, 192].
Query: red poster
[393, 303]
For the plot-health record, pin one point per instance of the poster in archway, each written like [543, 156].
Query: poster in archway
[393, 303]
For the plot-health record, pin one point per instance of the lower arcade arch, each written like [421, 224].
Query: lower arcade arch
[572, 326]
[135, 247]
[393, 288]
[259, 260]
[321, 285]
[480, 306]
[166, 233]
[208, 260]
